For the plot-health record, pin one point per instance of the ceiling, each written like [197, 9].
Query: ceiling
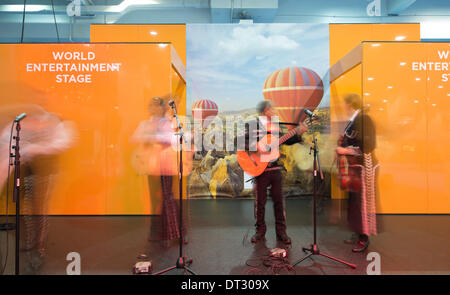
[40, 15]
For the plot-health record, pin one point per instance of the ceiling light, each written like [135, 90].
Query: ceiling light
[127, 3]
[28, 8]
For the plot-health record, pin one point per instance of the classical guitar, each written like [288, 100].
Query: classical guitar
[254, 163]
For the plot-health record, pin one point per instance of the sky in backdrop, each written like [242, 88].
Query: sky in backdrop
[228, 63]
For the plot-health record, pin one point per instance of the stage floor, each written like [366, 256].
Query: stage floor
[219, 241]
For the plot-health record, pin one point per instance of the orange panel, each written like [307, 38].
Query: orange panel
[95, 175]
[345, 84]
[395, 32]
[397, 100]
[124, 113]
[438, 111]
[343, 39]
[176, 34]
[410, 106]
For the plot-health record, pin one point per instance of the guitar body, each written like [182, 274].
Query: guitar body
[254, 163]
[349, 171]
[158, 159]
[251, 163]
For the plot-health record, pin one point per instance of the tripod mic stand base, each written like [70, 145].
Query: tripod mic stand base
[182, 263]
[314, 250]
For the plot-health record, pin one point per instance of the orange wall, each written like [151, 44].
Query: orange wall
[438, 127]
[343, 39]
[95, 176]
[410, 109]
[176, 34]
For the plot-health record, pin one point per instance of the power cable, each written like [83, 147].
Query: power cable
[56, 24]
[23, 20]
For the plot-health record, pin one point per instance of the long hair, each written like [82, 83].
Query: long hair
[158, 105]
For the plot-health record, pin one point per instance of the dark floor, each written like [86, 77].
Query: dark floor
[219, 236]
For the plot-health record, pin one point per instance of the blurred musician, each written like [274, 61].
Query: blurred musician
[43, 137]
[355, 149]
[159, 158]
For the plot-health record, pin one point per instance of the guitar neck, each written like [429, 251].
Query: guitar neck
[285, 137]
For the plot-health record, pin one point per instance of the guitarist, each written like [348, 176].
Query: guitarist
[271, 177]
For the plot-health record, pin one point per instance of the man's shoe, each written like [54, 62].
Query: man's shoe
[258, 237]
[284, 238]
[360, 246]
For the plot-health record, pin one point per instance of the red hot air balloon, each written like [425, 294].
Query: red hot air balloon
[292, 90]
[205, 109]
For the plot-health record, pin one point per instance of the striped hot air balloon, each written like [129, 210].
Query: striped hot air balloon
[205, 109]
[292, 90]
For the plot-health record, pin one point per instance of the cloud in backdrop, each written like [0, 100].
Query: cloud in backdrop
[229, 63]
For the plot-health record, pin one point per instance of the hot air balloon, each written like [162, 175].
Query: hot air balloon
[292, 90]
[205, 109]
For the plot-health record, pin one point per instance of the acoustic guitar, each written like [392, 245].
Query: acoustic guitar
[254, 163]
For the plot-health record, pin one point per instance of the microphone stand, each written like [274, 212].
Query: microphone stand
[8, 225]
[182, 262]
[16, 195]
[314, 248]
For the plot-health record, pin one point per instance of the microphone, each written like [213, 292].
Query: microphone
[309, 113]
[20, 117]
[172, 103]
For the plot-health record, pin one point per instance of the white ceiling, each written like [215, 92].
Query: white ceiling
[40, 21]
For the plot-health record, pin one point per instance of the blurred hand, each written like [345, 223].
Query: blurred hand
[341, 151]
[315, 120]
[347, 151]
